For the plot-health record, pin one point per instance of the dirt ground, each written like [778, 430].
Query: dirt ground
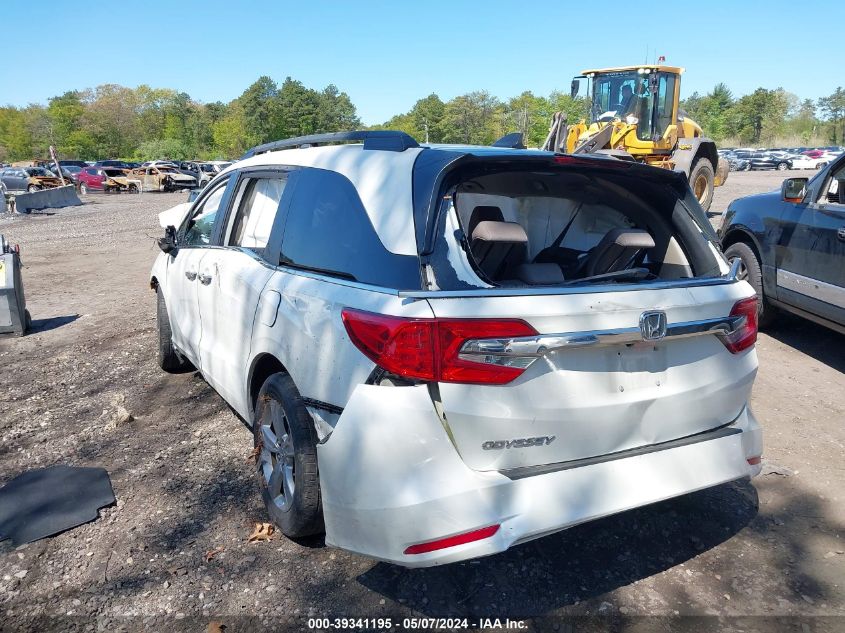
[172, 554]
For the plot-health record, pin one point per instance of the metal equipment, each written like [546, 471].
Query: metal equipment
[14, 317]
[635, 115]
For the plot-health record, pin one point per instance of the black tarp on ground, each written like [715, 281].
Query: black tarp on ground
[50, 500]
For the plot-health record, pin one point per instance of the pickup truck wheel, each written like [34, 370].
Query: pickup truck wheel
[286, 458]
[750, 271]
[701, 180]
[169, 358]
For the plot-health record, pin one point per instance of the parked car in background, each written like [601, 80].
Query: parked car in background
[73, 163]
[814, 153]
[735, 163]
[202, 172]
[19, 179]
[791, 246]
[806, 162]
[219, 165]
[163, 178]
[431, 374]
[764, 160]
[112, 163]
[70, 173]
[106, 179]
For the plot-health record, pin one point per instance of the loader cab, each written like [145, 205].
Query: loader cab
[644, 96]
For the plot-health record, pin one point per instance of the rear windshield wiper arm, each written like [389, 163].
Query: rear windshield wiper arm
[630, 273]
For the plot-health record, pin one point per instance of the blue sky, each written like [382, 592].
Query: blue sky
[387, 55]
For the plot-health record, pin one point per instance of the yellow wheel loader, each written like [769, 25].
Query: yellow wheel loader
[634, 115]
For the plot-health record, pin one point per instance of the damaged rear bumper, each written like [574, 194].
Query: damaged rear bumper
[391, 478]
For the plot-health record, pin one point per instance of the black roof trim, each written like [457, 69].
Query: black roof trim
[385, 140]
[514, 140]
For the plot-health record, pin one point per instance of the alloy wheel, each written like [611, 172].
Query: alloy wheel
[276, 459]
[742, 271]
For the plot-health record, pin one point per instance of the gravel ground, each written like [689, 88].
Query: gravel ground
[172, 554]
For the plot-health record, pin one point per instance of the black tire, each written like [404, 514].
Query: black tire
[33, 188]
[783, 166]
[280, 413]
[701, 181]
[169, 358]
[750, 271]
[83, 189]
[747, 167]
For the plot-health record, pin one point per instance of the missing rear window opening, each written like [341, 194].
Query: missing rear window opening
[566, 228]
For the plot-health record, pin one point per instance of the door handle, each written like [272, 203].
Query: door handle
[841, 234]
[204, 279]
[191, 274]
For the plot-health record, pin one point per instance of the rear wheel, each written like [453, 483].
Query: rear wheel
[286, 460]
[750, 271]
[783, 166]
[701, 180]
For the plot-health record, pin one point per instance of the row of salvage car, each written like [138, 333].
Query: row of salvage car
[113, 177]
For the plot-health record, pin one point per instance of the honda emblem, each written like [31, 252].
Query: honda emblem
[653, 325]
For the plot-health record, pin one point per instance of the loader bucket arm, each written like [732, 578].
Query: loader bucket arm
[597, 141]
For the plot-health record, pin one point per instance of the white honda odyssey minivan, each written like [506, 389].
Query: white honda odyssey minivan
[448, 350]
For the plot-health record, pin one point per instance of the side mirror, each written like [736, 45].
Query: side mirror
[168, 243]
[653, 83]
[573, 89]
[793, 189]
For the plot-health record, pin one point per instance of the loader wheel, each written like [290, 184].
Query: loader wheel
[701, 179]
[750, 271]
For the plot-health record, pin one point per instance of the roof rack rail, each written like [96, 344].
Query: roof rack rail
[385, 140]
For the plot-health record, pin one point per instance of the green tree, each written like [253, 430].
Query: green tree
[298, 109]
[833, 108]
[259, 105]
[166, 148]
[335, 111]
[760, 116]
[469, 119]
[229, 133]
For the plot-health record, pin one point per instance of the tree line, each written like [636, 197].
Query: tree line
[769, 117]
[144, 123]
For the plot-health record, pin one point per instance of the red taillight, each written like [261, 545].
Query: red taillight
[452, 541]
[746, 335]
[404, 347]
[568, 159]
[428, 349]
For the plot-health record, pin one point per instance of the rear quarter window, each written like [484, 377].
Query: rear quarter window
[328, 231]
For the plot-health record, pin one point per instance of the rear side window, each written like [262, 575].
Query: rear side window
[328, 231]
[259, 203]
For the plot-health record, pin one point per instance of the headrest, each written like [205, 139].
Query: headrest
[508, 232]
[629, 238]
[483, 213]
